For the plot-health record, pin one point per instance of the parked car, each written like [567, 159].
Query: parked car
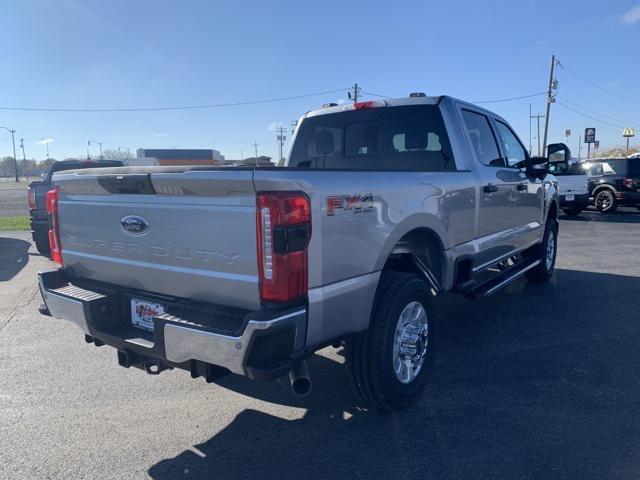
[572, 182]
[613, 182]
[381, 205]
[36, 198]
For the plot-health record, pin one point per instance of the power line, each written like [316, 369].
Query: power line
[475, 101]
[509, 99]
[182, 107]
[593, 84]
[598, 114]
[376, 95]
[588, 116]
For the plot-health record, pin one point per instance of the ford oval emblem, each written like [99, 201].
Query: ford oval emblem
[134, 225]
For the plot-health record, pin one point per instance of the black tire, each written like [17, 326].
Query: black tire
[370, 354]
[544, 270]
[572, 212]
[605, 201]
[42, 245]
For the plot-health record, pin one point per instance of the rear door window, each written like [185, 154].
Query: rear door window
[410, 137]
[482, 139]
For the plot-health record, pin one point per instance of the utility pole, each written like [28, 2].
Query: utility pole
[281, 137]
[46, 142]
[13, 142]
[550, 100]
[255, 146]
[579, 146]
[356, 93]
[537, 117]
[24, 157]
[530, 129]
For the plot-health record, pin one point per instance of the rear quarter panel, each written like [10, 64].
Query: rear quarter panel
[349, 248]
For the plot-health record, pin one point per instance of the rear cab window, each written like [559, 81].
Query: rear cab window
[411, 137]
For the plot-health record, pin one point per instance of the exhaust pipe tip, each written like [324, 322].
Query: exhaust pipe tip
[301, 386]
[300, 379]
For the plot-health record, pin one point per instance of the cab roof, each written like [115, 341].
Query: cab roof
[396, 102]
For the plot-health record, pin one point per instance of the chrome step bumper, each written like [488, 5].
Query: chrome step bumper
[178, 342]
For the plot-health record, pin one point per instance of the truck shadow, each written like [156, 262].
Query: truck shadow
[630, 215]
[14, 256]
[539, 381]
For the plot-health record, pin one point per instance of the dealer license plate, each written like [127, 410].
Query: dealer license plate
[143, 312]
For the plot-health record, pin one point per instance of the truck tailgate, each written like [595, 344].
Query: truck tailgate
[572, 184]
[188, 234]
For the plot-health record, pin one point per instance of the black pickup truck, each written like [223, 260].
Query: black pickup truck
[38, 190]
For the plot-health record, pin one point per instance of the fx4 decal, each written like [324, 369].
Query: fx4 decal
[355, 203]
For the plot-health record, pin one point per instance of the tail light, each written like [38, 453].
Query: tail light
[31, 199]
[283, 222]
[54, 231]
[627, 182]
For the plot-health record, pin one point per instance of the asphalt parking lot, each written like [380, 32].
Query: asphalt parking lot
[538, 381]
[13, 200]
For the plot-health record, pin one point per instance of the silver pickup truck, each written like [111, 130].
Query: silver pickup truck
[380, 206]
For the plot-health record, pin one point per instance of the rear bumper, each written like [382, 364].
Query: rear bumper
[206, 341]
[579, 201]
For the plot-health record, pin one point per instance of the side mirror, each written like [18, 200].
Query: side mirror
[538, 167]
[559, 158]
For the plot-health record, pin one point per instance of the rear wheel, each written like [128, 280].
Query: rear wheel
[572, 212]
[547, 255]
[606, 201]
[389, 363]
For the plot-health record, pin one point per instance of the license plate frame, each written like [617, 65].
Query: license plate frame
[143, 311]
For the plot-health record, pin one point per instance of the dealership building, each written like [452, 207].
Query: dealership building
[182, 156]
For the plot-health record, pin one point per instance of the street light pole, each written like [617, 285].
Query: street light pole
[13, 141]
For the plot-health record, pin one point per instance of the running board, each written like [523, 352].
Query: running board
[502, 280]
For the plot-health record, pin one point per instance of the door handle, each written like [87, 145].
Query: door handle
[490, 188]
[522, 186]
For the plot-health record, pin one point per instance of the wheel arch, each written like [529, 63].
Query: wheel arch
[425, 244]
[604, 186]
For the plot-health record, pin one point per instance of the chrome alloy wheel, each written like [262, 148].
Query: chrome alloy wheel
[410, 342]
[550, 250]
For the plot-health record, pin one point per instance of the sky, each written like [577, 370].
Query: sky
[129, 54]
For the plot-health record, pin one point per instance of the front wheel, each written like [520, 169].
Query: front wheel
[606, 201]
[547, 255]
[389, 362]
